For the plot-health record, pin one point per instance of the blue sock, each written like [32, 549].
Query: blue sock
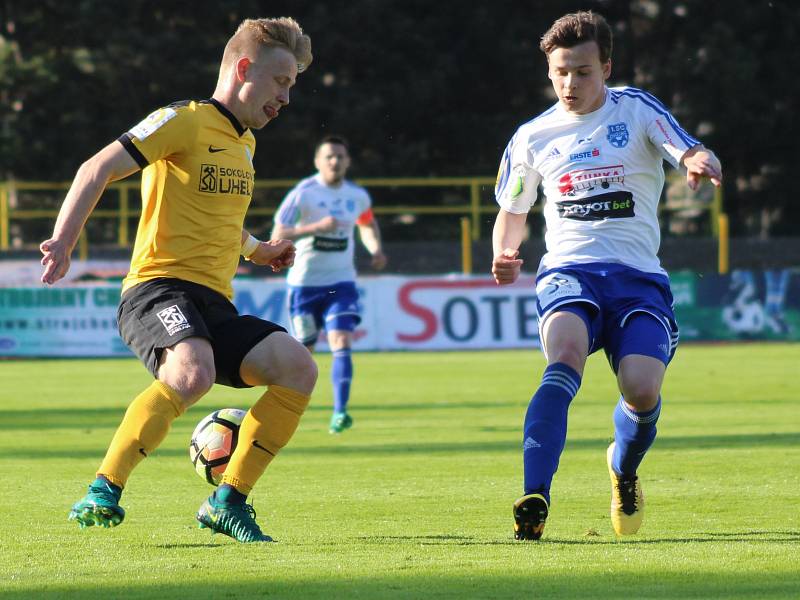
[227, 494]
[634, 433]
[545, 430]
[341, 375]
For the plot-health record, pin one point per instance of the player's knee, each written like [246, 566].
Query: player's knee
[191, 382]
[642, 393]
[339, 339]
[568, 353]
[640, 379]
[296, 368]
[305, 373]
[200, 381]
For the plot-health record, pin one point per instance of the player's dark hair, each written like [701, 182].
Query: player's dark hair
[332, 139]
[576, 28]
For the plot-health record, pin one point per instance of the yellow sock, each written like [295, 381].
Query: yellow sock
[144, 426]
[266, 428]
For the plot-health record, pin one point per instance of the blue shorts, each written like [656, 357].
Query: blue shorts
[626, 311]
[328, 307]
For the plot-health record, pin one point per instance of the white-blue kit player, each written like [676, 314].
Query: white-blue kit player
[597, 154]
[321, 214]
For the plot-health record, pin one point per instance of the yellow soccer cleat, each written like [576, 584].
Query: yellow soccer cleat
[530, 514]
[627, 500]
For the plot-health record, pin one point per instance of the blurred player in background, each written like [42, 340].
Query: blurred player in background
[597, 154]
[321, 213]
[175, 312]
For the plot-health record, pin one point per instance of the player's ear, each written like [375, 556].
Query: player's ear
[241, 67]
[607, 69]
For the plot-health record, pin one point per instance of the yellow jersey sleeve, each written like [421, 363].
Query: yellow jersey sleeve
[162, 133]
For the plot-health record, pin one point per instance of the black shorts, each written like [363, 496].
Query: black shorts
[160, 313]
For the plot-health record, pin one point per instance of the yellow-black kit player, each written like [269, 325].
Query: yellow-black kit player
[175, 311]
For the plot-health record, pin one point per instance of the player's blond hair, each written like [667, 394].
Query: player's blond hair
[254, 34]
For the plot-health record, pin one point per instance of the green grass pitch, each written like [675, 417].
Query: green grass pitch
[415, 500]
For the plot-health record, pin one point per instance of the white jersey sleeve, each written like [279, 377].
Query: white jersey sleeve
[671, 140]
[364, 202]
[517, 183]
[289, 211]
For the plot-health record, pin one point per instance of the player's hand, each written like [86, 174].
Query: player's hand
[506, 266]
[276, 254]
[56, 260]
[379, 260]
[702, 164]
[326, 225]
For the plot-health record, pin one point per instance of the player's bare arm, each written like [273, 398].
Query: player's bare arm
[509, 230]
[324, 225]
[370, 235]
[701, 162]
[110, 164]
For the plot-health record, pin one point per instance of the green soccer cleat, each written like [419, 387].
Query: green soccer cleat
[234, 520]
[627, 500]
[340, 421]
[100, 506]
[530, 514]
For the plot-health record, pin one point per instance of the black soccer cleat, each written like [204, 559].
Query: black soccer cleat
[530, 514]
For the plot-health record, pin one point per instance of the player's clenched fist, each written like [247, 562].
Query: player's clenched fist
[701, 163]
[326, 225]
[506, 266]
[278, 254]
[55, 261]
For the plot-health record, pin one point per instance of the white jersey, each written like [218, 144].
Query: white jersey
[602, 176]
[327, 258]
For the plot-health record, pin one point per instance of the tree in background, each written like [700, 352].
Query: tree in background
[420, 88]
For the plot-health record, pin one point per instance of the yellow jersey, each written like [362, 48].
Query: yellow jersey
[197, 183]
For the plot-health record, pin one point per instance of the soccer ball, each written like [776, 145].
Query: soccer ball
[213, 442]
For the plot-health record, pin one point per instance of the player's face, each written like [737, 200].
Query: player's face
[266, 87]
[332, 162]
[579, 77]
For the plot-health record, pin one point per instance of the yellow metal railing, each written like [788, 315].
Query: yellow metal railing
[478, 189]
[9, 213]
[716, 211]
[3, 218]
[124, 189]
[466, 246]
[723, 247]
[474, 209]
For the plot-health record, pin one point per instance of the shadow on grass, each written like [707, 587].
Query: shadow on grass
[760, 440]
[614, 582]
[92, 418]
[749, 537]
[86, 418]
[173, 546]
[725, 534]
